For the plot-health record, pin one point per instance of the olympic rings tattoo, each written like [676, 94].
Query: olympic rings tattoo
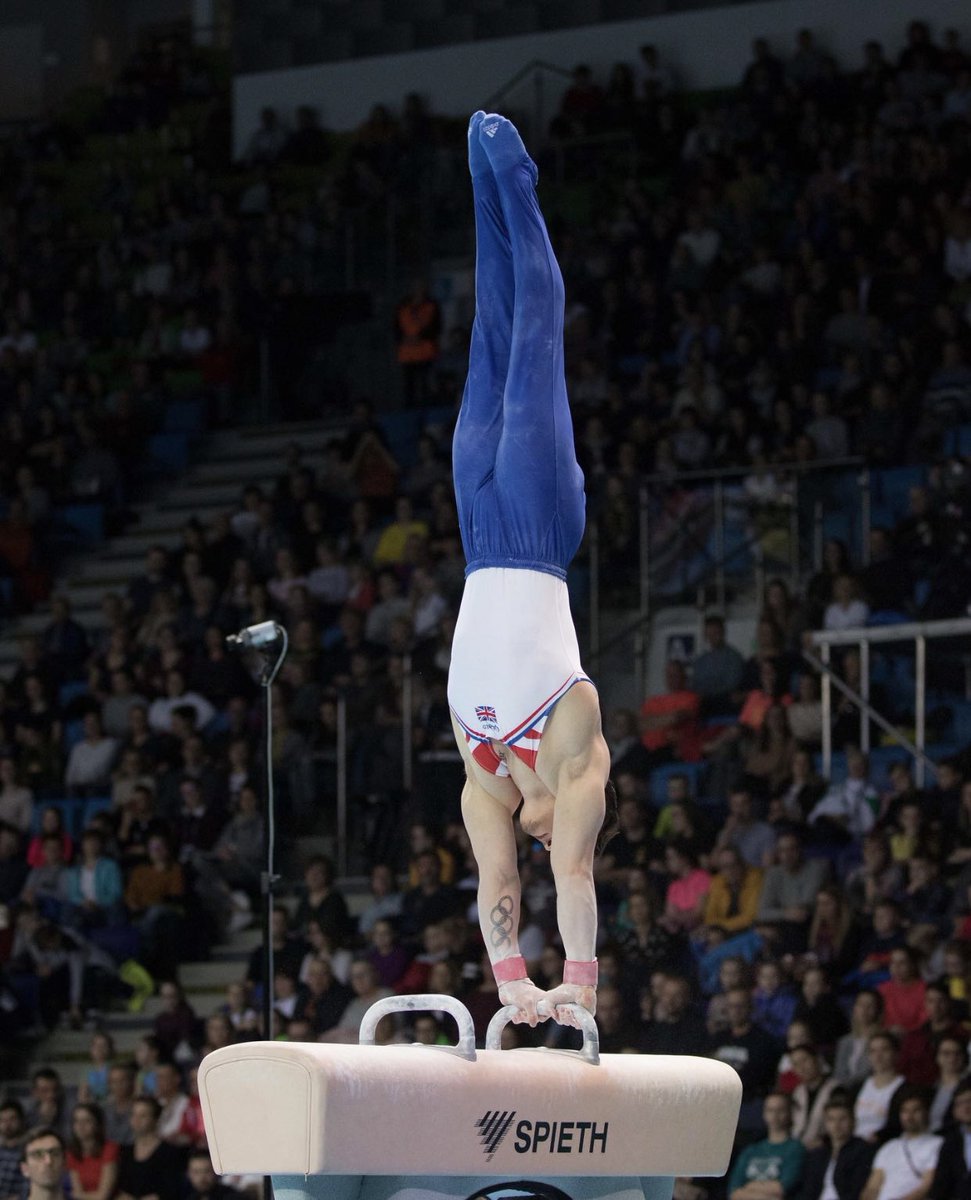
[502, 922]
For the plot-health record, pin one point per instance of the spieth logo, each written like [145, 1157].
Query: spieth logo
[492, 1128]
[542, 1137]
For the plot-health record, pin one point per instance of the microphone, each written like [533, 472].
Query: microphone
[255, 637]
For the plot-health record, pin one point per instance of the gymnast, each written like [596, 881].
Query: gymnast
[525, 715]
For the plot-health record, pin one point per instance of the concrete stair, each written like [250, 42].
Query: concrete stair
[228, 461]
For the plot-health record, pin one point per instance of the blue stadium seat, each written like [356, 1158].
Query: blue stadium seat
[85, 522]
[92, 806]
[73, 733]
[168, 453]
[183, 416]
[71, 691]
[660, 776]
[959, 729]
[69, 808]
[891, 485]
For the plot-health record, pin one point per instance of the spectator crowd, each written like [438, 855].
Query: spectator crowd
[783, 281]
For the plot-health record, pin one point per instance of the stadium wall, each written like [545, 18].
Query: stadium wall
[706, 49]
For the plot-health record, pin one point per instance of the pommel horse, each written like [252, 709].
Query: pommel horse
[368, 1122]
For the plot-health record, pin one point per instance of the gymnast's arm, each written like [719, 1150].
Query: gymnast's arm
[489, 824]
[582, 766]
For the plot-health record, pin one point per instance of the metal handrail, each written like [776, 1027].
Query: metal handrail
[537, 64]
[714, 473]
[919, 632]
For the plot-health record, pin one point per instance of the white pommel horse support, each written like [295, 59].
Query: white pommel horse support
[396, 1122]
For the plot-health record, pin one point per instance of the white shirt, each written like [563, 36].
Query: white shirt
[160, 711]
[89, 763]
[904, 1161]
[872, 1106]
[849, 800]
[853, 616]
[829, 1191]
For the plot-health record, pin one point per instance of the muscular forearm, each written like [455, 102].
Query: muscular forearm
[499, 899]
[576, 913]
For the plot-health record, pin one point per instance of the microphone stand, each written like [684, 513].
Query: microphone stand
[272, 654]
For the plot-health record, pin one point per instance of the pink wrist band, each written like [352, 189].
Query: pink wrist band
[508, 970]
[582, 973]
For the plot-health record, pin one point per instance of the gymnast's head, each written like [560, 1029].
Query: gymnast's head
[536, 818]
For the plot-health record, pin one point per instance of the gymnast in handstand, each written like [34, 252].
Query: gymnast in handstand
[525, 715]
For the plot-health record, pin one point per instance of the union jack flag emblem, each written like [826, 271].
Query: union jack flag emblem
[485, 712]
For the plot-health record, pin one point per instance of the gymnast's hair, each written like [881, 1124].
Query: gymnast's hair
[611, 823]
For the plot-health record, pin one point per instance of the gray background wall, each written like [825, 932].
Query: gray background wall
[708, 48]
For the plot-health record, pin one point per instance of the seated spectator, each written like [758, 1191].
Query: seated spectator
[242, 1015]
[834, 934]
[789, 892]
[16, 802]
[768, 758]
[47, 1103]
[777, 1159]
[288, 950]
[204, 1183]
[46, 884]
[878, 877]
[41, 1164]
[12, 1129]
[13, 865]
[430, 901]
[322, 902]
[675, 1027]
[51, 822]
[368, 989]
[386, 900]
[819, 1008]
[687, 893]
[93, 887]
[148, 1166]
[951, 1061]
[918, 1048]
[754, 839]
[176, 696]
[840, 1167]
[322, 998]
[716, 673]
[874, 1110]
[90, 761]
[632, 846]
[93, 1088]
[92, 1160]
[172, 1099]
[904, 1008]
[805, 714]
[852, 1063]
[812, 1093]
[733, 898]
[645, 944]
[154, 896]
[848, 810]
[176, 1027]
[747, 1048]
[119, 1102]
[952, 1176]
[388, 958]
[669, 719]
[905, 1164]
[773, 1000]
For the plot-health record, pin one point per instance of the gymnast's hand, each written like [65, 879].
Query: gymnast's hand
[525, 995]
[552, 1002]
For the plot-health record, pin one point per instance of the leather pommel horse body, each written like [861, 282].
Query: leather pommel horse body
[605, 1124]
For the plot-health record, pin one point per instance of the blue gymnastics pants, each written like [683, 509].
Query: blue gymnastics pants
[518, 487]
